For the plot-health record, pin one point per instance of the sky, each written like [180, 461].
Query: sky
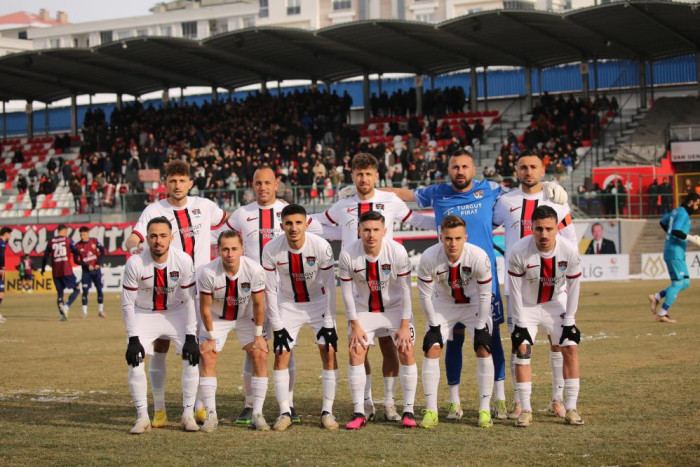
[80, 11]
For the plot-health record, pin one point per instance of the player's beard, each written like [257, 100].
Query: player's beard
[159, 254]
[530, 184]
[461, 185]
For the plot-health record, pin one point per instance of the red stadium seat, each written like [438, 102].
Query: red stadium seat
[27, 212]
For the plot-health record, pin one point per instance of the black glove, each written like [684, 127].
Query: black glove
[330, 336]
[570, 332]
[482, 337]
[190, 350]
[432, 336]
[281, 340]
[519, 336]
[134, 352]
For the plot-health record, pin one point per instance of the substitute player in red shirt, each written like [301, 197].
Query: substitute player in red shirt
[59, 251]
[544, 273]
[90, 255]
[158, 303]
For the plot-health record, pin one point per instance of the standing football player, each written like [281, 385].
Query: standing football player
[300, 289]
[26, 273]
[454, 286]
[345, 213]
[158, 303]
[192, 218]
[90, 255]
[4, 236]
[514, 210]
[231, 297]
[676, 224]
[59, 250]
[544, 273]
[375, 276]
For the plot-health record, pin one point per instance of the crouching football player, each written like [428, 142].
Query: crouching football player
[231, 297]
[543, 274]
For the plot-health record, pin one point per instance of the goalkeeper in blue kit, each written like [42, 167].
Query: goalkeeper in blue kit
[676, 224]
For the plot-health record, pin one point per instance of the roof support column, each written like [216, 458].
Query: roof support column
[540, 92]
[90, 100]
[651, 80]
[120, 101]
[4, 121]
[432, 82]
[486, 91]
[46, 118]
[74, 115]
[528, 90]
[365, 96]
[642, 84]
[472, 89]
[595, 75]
[697, 72]
[585, 83]
[214, 95]
[263, 84]
[182, 96]
[166, 98]
[279, 88]
[419, 94]
[30, 120]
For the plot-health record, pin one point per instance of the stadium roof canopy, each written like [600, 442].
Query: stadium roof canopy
[638, 30]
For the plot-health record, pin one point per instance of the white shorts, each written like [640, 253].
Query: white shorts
[170, 325]
[562, 301]
[295, 315]
[244, 326]
[468, 315]
[549, 316]
[382, 325]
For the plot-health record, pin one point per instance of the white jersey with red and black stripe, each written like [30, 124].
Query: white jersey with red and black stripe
[346, 212]
[192, 225]
[258, 225]
[459, 282]
[151, 287]
[231, 295]
[299, 270]
[376, 279]
[538, 278]
[514, 211]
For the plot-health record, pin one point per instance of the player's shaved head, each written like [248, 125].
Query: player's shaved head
[265, 186]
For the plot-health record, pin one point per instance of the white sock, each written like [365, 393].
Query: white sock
[356, 380]
[408, 375]
[139, 389]
[499, 390]
[556, 361]
[292, 377]
[207, 389]
[199, 400]
[156, 371]
[247, 375]
[484, 377]
[85, 310]
[389, 389]
[281, 382]
[330, 378]
[100, 307]
[259, 388]
[524, 392]
[190, 383]
[512, 377]
[431, 381]
[454, 394]
[368, 387]
[571, 388]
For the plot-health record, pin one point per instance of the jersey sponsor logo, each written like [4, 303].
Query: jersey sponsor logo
[299, 278]
[529, 206]
[530, 266]
[310, 260]
[562, 265]
[174, 275]
[265, 224]
[187, 231]
[249, 219]
[245, 287]
[386, 269]
[145, 278]
[376, 302]
[231, 302]
[478, 194]
[160, 289]
[457, 284]
[515, 208]
[547, 280]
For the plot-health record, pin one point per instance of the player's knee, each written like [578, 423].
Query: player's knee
[554, 347]
[523, 354]
[685, 283]
[481, 352]
[434, 351]
[209, 361]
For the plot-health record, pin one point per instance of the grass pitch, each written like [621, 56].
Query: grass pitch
[64, 397]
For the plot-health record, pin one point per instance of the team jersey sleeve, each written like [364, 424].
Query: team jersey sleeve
[130, 288]
[187, 283]
[271, 290]
[142, 223]
[332, 214]
[424, 196]
[101, 256]
[404, 275]
[234, 221]
[483, 279]
[412, 218]
[515, 280]
[573, 287]
[345, 273]
[403, 264]
[498, 217]
[3, 247]
[218, 215]
[684, 223]
[205, 283]
[426, 286]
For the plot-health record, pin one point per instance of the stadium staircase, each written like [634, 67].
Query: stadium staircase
[37, 152]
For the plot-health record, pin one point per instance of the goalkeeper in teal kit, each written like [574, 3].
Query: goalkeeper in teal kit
[677, 227]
